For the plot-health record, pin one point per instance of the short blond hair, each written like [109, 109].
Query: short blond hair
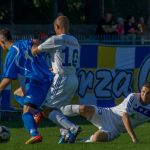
[63, 22]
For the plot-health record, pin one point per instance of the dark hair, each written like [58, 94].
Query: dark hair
[6, 34]
[147, 85]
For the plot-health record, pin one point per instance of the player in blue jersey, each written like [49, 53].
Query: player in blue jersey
[19, 60]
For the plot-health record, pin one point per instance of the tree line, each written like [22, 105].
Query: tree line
[79, 11]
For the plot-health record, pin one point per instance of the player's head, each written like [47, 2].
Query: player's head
[145, 93]
[61, 25]
[5, 38]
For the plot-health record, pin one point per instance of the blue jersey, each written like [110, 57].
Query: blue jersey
[19, 60]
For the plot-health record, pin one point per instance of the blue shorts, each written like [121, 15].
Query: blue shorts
[36, 92]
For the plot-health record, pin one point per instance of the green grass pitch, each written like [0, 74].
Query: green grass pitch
[50, 137]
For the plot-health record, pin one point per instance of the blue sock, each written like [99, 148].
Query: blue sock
[30, 124]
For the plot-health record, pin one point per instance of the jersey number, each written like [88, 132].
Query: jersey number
[70, 61]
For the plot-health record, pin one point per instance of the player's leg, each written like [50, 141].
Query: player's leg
[35, 95]
[99, 136]
[70, 84]
[38, 116]
[30, 124]
[19, 97]
[57, 96]
[94, 115]
[56, 116]
[20, 92]
[83, 110]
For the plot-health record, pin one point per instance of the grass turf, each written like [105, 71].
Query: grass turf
[51, 134]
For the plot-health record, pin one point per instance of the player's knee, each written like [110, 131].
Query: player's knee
[94, 138]
[100, 137]
[86, 111]
[20, 92]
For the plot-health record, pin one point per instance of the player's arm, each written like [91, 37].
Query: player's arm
[128, 127]
[34, 49]
[47, 46]
[9, 71]
[4, 83]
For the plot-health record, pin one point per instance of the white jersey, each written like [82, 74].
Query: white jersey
[61, 91]
[137, 112]
[110, 119]
[65, 53]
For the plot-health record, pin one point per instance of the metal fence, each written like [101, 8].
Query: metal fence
[103, 39]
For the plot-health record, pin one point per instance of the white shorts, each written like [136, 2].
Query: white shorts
[102, 120]
[61, 91]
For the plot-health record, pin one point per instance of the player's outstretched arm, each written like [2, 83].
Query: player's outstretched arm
[47, 46]
[4, 83]
[128, 126]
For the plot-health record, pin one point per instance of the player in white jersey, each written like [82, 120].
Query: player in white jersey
[133, 111]
[64, 50]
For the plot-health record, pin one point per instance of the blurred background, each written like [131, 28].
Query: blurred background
[80, 12]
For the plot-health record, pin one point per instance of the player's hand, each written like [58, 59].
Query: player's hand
[34, 50]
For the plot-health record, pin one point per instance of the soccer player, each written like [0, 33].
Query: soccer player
[19, 60]
[133, 111]
[64, 50]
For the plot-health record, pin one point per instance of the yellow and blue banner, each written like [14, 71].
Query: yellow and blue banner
[107, 74]
[110, 73]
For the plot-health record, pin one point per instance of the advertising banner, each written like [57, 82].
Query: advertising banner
[110, 73]
[107, 74]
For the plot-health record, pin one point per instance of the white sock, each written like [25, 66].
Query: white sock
[64, 131]
[70, 110]
[58, 118]
[89, 140]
